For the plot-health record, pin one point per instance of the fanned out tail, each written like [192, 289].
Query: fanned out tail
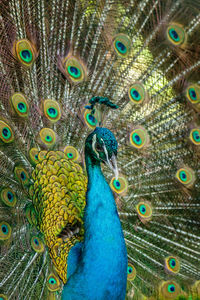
[143, 56]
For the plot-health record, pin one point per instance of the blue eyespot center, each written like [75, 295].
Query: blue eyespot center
[183, 176]
[91, 119]
[74, 71]
[130, 270]
[136, 139]
[196, 136]
[4, 229]
[171, 288]
[174, 35]
[135, 94]
[52, 112]
[21, 106]
[192, 94]
[23, 176]
[172, 262]
[36, 156]
[6, 132]
[36, 242]
[52, 281]
[10, 196]
[142, 209]
[117, 184]
[48, 138]
[121, 47]
[26, 54]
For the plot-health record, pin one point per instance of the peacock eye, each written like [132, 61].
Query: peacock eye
[99, 147]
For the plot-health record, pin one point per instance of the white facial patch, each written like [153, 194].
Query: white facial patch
[94, 139]
[112, 163]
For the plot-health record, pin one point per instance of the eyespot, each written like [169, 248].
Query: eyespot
[170, 289]
[71, 153]
[74, 69]
[3, 297]
[119, 186]
[90, 119]
[20, 104]
[176, 34]
[25, 52]
[195, 136]
[21, 175]
[5, 231]
[37, 244]
[122, 45]
[193, 93]
[48, 137]
[8, 197]
[131, 272]
[53, 283]
[186, 176]
[6, 133]
[52, 110]
[137, 93]
[139, 138]
[144, 210]
[172, 264]
[33, 154]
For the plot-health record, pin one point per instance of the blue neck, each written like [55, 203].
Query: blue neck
[101, 271]
[101, 218]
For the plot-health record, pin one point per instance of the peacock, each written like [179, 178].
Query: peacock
[99, 149]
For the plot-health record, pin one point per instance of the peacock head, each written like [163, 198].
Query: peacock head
[101, 146]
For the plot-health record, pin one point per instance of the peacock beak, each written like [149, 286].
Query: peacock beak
[112, 163]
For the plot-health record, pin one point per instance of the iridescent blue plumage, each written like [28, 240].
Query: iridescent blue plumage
[101, 260]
